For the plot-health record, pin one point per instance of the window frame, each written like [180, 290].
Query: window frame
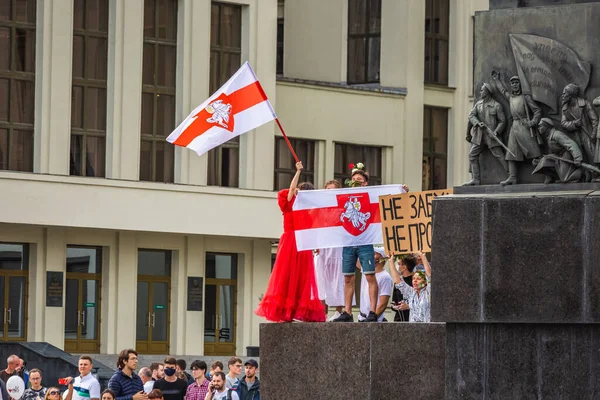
[342, 176]
[156, 90]
[215, 156]
[12, 75]
[430, 50]
[307, 175]
[86, 83]
[430, 153]
[367, 36]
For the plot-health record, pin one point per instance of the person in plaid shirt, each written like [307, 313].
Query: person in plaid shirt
[198, 389]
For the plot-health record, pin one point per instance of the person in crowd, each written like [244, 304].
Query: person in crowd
[158, 371]
[108, 394]
[401, 310]
[12, 363]
[125, 383]
[156, 394]
[366, 256]
[384, 288]
[145, 375]
[418, 296]
[215, 367]
[328, 269]
[249, 387]
[85, 386]
[172, 387]
[181, 366]
[235, 369]
[292, 290]
[217, 389]
[198, 389]
[53, 393]
[23, 372]
[37, 391]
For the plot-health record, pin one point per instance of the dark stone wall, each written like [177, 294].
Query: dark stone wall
[494, 4]
[522, 361]
[529, 257]
[340, 361]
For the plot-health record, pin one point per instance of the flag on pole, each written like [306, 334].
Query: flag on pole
[239, 106]
[339, 217]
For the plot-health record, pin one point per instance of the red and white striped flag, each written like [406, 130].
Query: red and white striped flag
[239, 106]
[339, 217]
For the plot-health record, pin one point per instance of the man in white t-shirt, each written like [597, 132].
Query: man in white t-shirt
[385, 286]
[85, 386]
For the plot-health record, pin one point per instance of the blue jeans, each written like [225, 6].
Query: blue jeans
[364, 253]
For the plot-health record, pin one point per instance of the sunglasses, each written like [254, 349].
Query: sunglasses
[54, 393]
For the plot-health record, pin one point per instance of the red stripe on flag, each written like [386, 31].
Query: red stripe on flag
[327, 217]
[240, 100]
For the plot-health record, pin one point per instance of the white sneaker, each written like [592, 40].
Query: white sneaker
[334, 316]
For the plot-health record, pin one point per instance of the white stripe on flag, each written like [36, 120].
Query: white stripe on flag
[336, 236]
[308, 199]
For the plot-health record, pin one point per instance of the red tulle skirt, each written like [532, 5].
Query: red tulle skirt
[292, 290]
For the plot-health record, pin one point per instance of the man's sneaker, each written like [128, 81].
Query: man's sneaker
[334, 316]
[372, 317]
[344, 317]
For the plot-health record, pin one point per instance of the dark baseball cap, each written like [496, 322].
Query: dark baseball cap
[251, 362]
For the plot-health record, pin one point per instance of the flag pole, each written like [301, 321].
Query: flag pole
[287, 140]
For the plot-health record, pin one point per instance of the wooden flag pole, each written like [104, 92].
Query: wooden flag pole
[287, 140]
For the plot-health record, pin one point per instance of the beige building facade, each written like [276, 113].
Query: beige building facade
[110, 238]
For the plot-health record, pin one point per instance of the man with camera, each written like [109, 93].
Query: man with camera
[217, 390]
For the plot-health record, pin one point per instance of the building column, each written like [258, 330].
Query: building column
[55, 254]
[122, 295]
[54, 44]
[258, 271]
[191, 328]
[193, 72]
[257, 147]
[124, 95]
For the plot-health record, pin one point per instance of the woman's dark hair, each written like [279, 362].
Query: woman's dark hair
[155, 394]
[109, 392]
[306, 186]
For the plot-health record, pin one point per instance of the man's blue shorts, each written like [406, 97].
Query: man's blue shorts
[364, 253]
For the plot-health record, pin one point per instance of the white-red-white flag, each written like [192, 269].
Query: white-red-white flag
[339, 217]
[239, 106]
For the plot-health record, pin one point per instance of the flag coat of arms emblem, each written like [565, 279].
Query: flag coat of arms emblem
[239, 106]
[339, 217]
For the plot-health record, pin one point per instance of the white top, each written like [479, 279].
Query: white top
[148, 386]
[223, 395]
[385, 285]
[86, 388]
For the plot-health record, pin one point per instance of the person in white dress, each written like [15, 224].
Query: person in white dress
[328, 269]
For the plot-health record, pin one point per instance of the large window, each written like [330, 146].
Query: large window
[17, 84]
[225, 60]
[88, 93]
[285, 165]
[435, 148]
[437, 20]
[346, 154]
[364, 40]
[279, 66]
[158, 90]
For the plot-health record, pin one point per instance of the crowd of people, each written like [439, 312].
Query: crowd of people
[168, 380]
[304, 284]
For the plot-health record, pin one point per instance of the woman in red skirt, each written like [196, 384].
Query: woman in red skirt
[292, 291]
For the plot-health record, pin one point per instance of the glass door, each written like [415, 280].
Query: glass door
[82, 303]
[220, 304]
[153, 302]
[13, 291]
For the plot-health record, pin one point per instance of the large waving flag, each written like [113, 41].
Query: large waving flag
[339, 217]
[239, 106]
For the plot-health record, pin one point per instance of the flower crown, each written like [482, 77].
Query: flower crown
[354, 168]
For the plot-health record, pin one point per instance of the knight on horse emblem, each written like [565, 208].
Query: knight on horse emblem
[358, 219]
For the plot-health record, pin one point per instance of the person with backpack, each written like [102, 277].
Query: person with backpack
[217, 389]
